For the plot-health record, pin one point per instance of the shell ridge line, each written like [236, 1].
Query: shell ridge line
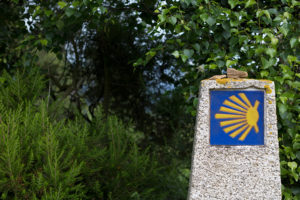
[238, 116]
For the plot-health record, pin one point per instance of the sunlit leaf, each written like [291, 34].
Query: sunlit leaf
[62, 4]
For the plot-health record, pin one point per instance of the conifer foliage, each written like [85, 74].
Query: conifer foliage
[45, 158]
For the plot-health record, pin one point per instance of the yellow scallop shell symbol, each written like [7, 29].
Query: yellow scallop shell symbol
[239, 116]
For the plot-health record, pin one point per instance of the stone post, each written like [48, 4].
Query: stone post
[236, 153]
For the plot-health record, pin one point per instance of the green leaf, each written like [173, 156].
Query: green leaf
[140, 61]
[267, 63]
[175, 54]
[266, 12]
[291, 59]
[76, 3]
[282, 109]
[283, 99]
[186, 27]
[85, 2]
[204, 16]
[196, 47]
[259, 50]
[243, 39]
[230, 62]
[264, 73]
[284, 29]
[250, 3]
[173, 20]
[195, 102]
[44, 42]
[211, 21]
[296, 146]
[60, 24]
[151, 53]
[48, 12]
[69, 12]
[183, 58]
[233, 3]
[298, 155]
[213, 66]
[62, 4]
[293, 42]
[234, 23]
[162, 17]
[271, 52]
[220, 63]
[274, 41]
[292, 165]
[188, 52]
[226, 26]
[2, 80]
[260, 13]
[188, 2]
[295, 3]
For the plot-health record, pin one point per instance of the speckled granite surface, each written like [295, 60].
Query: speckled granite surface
[235, 172]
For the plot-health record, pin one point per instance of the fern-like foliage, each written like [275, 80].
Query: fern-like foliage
[44, 157]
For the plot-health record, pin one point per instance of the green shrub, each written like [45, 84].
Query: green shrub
[46, 158]
[34, 164]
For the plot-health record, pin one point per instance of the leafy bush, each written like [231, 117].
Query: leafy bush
[260, 37]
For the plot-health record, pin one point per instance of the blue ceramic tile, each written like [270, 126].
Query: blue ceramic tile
[236, 117]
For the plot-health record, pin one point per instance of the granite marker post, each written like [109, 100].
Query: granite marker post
[236, 153]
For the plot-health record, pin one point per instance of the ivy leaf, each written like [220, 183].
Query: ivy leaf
[204, 16]
[226, 34]
[259, 50]
[48, 13]
[274, 41]
[196, 47]
[188, 52]
[292, 165]
[151, 54]
[211, 21]
[60, 24]
[69, 12]
[76, 3]
[230, 62]
[260, 13]
[140, 61]
[213, 66]
[85, 2]
[233, 3]
[283, 99]
[162, 17]
[173, 20]
[250, 3]
[175, 54]
[226, 26]
[293, 42]
[284, 29]
[44, 42]
[296, 146]
[234, 23]
[291, 59]
[264, 73]
[62, 4]
[267, 63]
[271, 52]
[186, 27]
[195, 102]
[183, 58]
